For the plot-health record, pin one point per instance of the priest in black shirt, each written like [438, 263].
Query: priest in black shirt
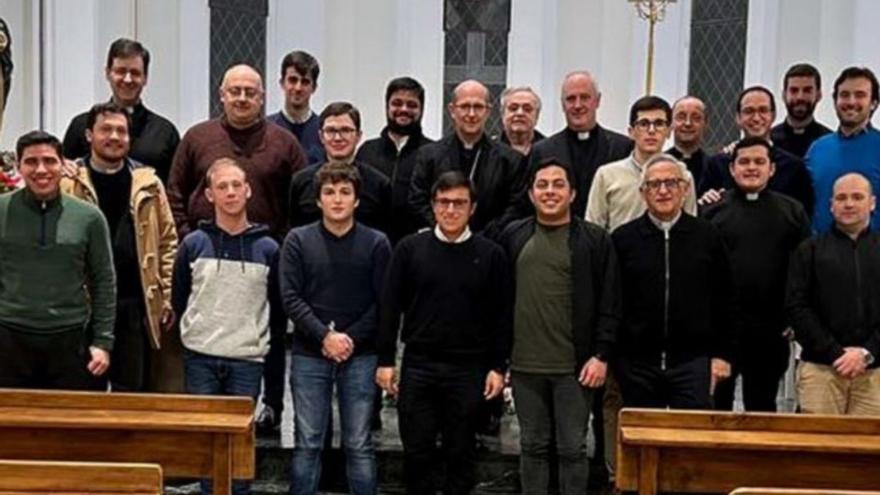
[761, 230]
[801, 92]
[451, 289]
[688, 128]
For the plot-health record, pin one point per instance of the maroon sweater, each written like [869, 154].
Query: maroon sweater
[268, 153]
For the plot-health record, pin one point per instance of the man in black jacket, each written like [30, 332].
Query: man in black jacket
[394, 152]
[761, 229]
[583, 144]
[755, 112]
[567, 309]
[675, 341]
[688, 126]
[495, 170]
[450, 288]
[833, 284]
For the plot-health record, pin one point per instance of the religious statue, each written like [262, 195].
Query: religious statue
[9, 180]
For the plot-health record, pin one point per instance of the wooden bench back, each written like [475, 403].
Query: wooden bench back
[704, 451]
[79, 477]
[796, 491]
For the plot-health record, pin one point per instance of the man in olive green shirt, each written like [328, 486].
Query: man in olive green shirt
[57, 285]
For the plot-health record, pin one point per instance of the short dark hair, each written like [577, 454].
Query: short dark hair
[752, 89]
[303, 63]
[124, 48]
[405, 84]
[551, 161]
[802, 70]
[338, 172]
[748, 142]
[223, 162]
[646, 103]
[453, 180]
[103, 108]
[35, 138]
[856, 73]
[340, 108]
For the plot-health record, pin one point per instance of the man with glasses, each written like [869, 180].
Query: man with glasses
[340, 130]
[447, 295]
[495, 170]
[299, 81]
[269, 155]
[153, 137]
[688, 127]
[675, 341]
[755, 113]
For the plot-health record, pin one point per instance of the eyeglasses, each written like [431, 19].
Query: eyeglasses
[237, 91]
[477, 108]
[670, 184]
[343, 132]
[646, 125]
[456, 204]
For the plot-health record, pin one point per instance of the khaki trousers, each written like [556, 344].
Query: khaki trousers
[822, 391]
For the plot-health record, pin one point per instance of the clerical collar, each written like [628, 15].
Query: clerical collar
[752, 196]
[462, 238]
[662, 224]
[583, 135]
[294, 120]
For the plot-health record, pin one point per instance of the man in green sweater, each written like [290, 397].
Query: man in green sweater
[57, 285]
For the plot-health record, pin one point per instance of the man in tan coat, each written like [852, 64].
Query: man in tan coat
[144, 242]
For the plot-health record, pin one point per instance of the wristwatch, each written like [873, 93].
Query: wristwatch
[869, 358]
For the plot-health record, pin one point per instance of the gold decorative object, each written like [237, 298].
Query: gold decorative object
[653, 11]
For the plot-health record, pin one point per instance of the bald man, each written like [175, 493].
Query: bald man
[269, 154]
[583, 145]
[688, 128]
[833, 283]
[494, 168]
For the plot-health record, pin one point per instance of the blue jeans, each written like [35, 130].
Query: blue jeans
[214, 375]
[311, 380]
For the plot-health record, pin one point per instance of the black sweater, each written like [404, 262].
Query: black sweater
[833, 288]
[454, 299]
[697, 319]
[760, 236]
[325, 278]
[595, 284]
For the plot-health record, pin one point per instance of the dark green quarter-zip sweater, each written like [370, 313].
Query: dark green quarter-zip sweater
[56, 267]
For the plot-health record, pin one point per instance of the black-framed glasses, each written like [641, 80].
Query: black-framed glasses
[647, 124]
[655, 185]
[343, 132]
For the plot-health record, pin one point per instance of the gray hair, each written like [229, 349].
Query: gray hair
[665, 158]
[580, 73]
[519, 89]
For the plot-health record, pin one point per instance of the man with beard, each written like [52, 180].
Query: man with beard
[495, 170]
[153, 137]
[801, 92]
[854, 147]
[584, 144]
[131, 197]
[755, 112]
[761, 230]
[299, 81]
[688, 128]
[394, 152]
[520, 108]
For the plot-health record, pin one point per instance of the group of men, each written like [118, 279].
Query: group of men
[590, 270]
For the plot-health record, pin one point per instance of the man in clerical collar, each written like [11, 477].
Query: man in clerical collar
[494, 168]
[855, 147]
[154, 138]
[299, 81]
[583, 143]
[755, 112]
[520, 108]
[801, 92]
[688, 128]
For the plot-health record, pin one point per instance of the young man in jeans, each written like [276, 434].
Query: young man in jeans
[332, 272]
[225, 289]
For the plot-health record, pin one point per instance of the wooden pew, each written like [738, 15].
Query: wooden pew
[189, 436]
[796, 491]
[716, 452]
[27, 477]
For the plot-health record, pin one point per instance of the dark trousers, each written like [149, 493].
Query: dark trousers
[46, 361]
[682, 385]
[761, 368]
[130, 359]
[439, 399]
[553, 413]
[273, 373]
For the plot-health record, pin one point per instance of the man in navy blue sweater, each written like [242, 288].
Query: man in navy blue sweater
[299, 81]
[332, 272]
